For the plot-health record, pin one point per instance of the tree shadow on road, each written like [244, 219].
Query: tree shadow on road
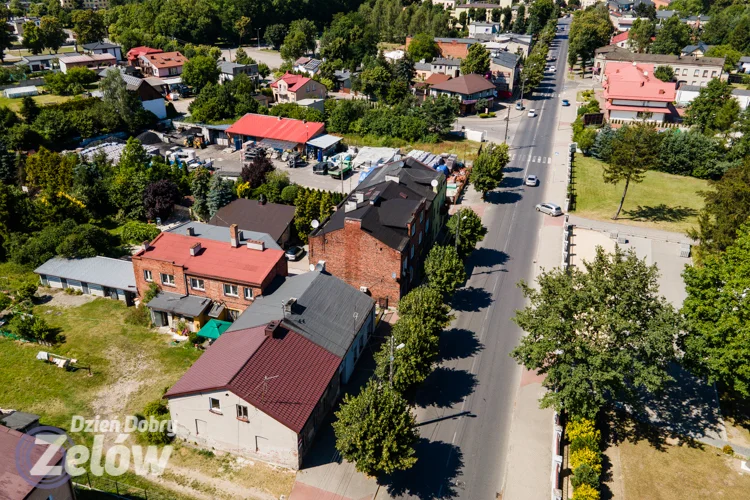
[511, 182]
[486, 259]
[445, 387]
[660, 213]
[459, 343]
[435, 475]
[510, 170]
[471, 299]
[504, 197]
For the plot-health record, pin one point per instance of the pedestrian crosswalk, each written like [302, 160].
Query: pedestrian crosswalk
[523, 158]
[542, 93]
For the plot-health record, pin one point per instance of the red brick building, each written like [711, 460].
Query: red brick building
[375, 240]
[201, 278]
[456, 48]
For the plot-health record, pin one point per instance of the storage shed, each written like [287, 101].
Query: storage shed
[18, 92]
[99, 276]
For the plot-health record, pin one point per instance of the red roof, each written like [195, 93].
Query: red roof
[12, 484]
[239, 361]
[631, 81]
[136, 52]
[273, 127]
[166, 59]
[216, 259]
[621, 37]
[295, 82]
[643, 109]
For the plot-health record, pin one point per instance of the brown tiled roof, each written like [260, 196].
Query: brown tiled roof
[466, 84]
[12, 485]
[270, 218]
[297, 373]
[437, 78]
[166, 59]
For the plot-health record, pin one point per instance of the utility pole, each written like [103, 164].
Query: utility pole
[390, 374]
[507, 124]
[458, 226]
[258, 30]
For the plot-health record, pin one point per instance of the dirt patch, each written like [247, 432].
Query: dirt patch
[112, 400]
[737, 435]
[58, 298]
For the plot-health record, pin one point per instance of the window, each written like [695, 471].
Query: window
[697, 72]
[167, 279]
[197, 284]
[421, 217]
[677, 71]
[248, 293]
[713, 74]
[420, 237]
[242, 413]
[214, 405]
[231, 290]
[705, 73]
[148, 276]
[427, 226]
[411, 230]
[233, 314]
[405, 261]
[411, 254]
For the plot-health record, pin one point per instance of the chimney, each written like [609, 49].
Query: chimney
[234, 236]
[350, 206]
[195, 248]
[256, 245]
[359, 196]
[321, 266]
[392, 178]
[272, 329]
[289, 304]
[375, 197]
[191, 231]
[146, 245]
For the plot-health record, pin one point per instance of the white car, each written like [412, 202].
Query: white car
[532, 113]
[553, 69]
[532, 180]
[549, 209]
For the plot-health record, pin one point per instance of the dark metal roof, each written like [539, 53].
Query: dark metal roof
[183, 305]
[271, 218]
[323, 312]
[19, 420]
[414, 174]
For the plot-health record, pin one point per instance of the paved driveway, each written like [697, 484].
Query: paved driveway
[271, 57]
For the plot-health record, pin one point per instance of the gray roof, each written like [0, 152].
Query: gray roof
[505, 59]
[183, 305]
[228, 68]
[271, 218]
[19, 420]
[469, 41]
[132, 82]
[618, 54]
[745, 59]
[112, 273]
[323, 313]
[324, 141]
[665, 14]
[689, 49]
[48, 57]
[446, 61]
[415, 175]
[422, 66]
[100, 45]
[342, 74]
[690, 88]
[221, 233]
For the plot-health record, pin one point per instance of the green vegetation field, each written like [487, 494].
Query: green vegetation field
[663, 201]
[465, 149]
[15, 104]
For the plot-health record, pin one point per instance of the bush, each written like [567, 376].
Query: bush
[487, 115]
[35, 328]
[585, 474]
[153, 291]
[289, 194]
[586, 492]
[159, 411]
[194, 339]
[138, 316]
[138, 232]
[586, 456]
[581, 427]
[727, 450]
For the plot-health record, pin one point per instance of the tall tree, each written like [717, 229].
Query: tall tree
[116, 96]
[640, 34]
[8, 165]
[88, 25]
[590, 29]
[672, 37]
[130, 181]
[33, 38]
[50, 171]
[241, 26]
[487, 171]
[444, 269]
[703, 111]
[200, 71]
[519, 25]
[52, 33]
[219, 194]
[425, 304]
[466, 227]
[29, 109]
[199, 187]
[412, 361]
[600, 334]
[159, 199]
[7, 37]
[716, 309]
[275, 35]
[634, 151]
[476, 61]
[664, 73]
[376, 430]
[423, 47]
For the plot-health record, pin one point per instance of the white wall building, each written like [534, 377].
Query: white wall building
[98, 276]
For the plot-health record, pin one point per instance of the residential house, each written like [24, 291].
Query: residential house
[621, 40]
[510, 42]
[633, 93]
[18, 480]
[343, 80]
[446, 66]
[483, 28]
[260, 392]
[621, 5]
[308, 65]
[468, 89]
[201, 278]
[97, 276]
[504, 70]
[420, 178]
[318, 104]
[293, 88]
[228, 70]
[90, 61]
[697, 50]
[259, 216]
[220, 233]
[422, 70]
[151, 98]
[272, 131]
[162, 64]
[375, 240]
[103, 48]
[744, 64]
[456, 48]
[43, 62]
[422, 89]
[322, 308]
[134, 54]
[687, 93]
[688, 70]
[458, 9]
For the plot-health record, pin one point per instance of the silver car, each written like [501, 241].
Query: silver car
[549, 209]
[532, 180]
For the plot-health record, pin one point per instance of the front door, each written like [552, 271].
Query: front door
[64, 282]
[200, 427]
[85, 288]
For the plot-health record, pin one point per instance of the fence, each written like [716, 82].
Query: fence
[569, 205]
[88, 486]
[557, 457]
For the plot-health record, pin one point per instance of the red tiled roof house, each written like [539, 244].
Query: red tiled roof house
[260, 392]
[293, 88]
[632, 92]
[200, 278]
[162, 64]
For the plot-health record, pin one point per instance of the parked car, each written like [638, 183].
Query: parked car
[321, 168]
[549, 209]
[553, 69]
[294, 253]
[532, 113]
[294, 160]
[532, 180]
[565, 102]
[519, 105]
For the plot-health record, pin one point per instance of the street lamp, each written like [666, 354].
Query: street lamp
[398, 348]
[458, 226]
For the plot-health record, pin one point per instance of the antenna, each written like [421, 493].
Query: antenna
[315, 223]
[264, 383]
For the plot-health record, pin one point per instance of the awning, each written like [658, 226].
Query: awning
[182, 305]
[324, 141]
[216, 310]
[277, 144]
[214, 328]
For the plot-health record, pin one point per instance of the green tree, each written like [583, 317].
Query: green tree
[376, 430]
[199, 187]
[52, 33]
[477, 60]
[88, 25]
[130, 181]
[376, 81]
[469, 230]
[640, 34]
[602, 149]
[33, 39]
[8, 166]
[716, 309]
[439, 113]
[127, 105]
[29, 109]
[415, 348]
[423, 46]
[519, 25]
[241, 26]
[487, 171]
[275, 35]
[219, 194]
[586, 139]
[690, 153]
[241, 57]
[7, 37]
[600, 334]
[160, 412]
[507, 18]
[444, 269]
[425, 304]
[664, 73]
[731, 56]
[740, 37]
[672, 37]
[50, 171]
[726, 208]
[702, 113]
[200, 71]
[300, 40]
[590, 29]
[634, 151]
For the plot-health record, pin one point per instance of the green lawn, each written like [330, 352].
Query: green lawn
[19, 51]
[466, 150]
[663, 201]
[131, 365]
[15, 104]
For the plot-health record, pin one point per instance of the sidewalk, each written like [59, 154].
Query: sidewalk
[628, 230]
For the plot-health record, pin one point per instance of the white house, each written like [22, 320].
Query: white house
[98, 276]
[745, 64]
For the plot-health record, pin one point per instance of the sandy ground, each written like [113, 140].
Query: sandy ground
[58, 298]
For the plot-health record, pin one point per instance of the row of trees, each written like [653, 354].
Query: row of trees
[591, 28]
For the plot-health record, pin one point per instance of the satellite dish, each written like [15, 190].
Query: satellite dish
[315, 224]
[312, 267]
[434, 183]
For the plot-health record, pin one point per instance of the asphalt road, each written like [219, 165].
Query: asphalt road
[466, 406]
